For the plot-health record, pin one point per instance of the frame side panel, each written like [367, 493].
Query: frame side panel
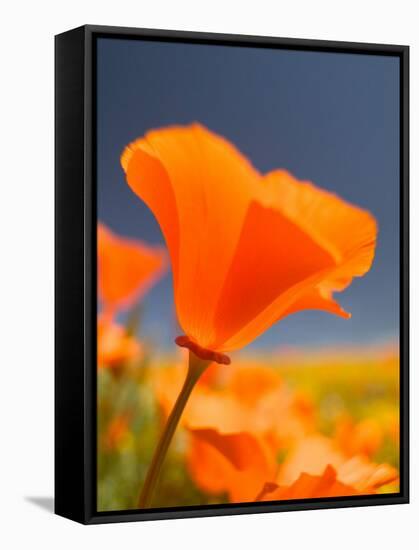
[404, 266]
[69, 275]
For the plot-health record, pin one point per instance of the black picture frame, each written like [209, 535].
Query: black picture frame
[75, 273]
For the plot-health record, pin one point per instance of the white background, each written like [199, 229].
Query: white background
[26, 274]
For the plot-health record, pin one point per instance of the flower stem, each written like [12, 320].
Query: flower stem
[196, 367]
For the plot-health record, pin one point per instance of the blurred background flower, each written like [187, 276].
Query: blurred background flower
[126, 268]
[115, 345]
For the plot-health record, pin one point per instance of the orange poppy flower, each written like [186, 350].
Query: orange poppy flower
[237, 464]
[248, 398]
[114, 345]
[126, 269]
[314, 453]
[364, 437]
[246, 249]
[309, 486]
[243, 466]
[238, 420]
[117, 432]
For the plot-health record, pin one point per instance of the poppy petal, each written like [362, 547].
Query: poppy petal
[365, 475]
[114, 345]
[310, 486]
[273, 256]
[206, 185]
[149, 180]
[209, 469]
[244, 463]
[347, 233]
[126, 268]
[314, 453]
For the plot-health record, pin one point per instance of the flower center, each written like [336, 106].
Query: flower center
[202, 353]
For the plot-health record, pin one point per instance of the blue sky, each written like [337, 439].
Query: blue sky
[329, 118]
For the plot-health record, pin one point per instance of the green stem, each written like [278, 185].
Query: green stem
[196, 368]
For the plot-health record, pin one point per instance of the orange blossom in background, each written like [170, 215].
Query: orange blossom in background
[127, 268]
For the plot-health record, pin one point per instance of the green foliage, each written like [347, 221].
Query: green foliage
[123, 461]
